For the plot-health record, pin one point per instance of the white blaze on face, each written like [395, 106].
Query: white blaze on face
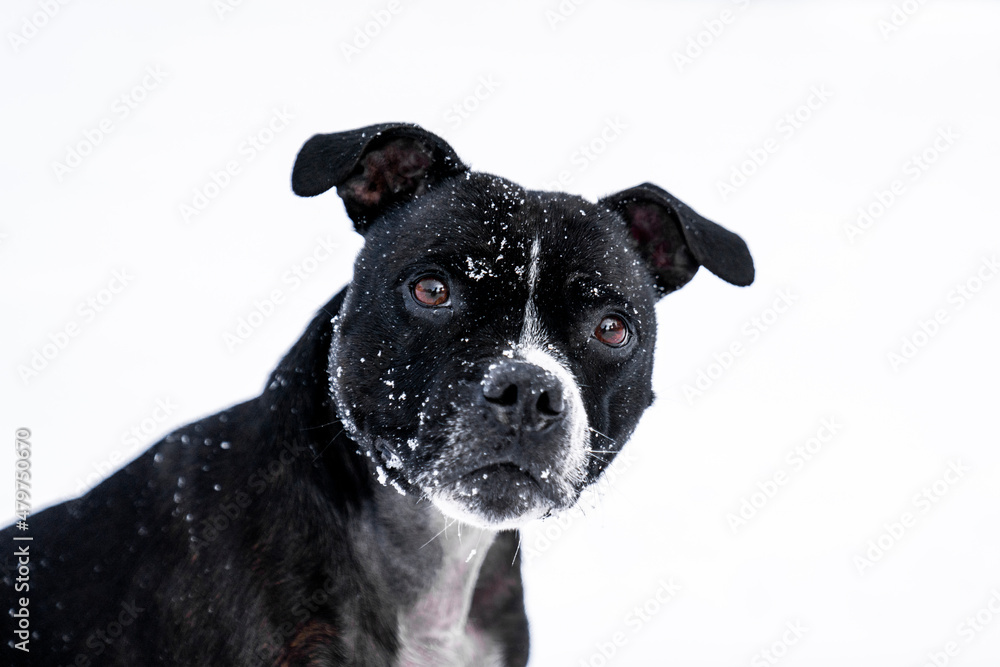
[536, 250]
[531, 331]
[535, 348]
[569, 469]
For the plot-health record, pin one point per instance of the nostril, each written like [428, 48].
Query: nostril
[505, 397]
[509, 395]
[549, 405]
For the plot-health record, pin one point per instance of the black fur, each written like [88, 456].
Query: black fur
[262, 536]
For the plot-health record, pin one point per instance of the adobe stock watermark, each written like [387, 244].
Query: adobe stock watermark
[553, 528]
[899, 16]
[750, 333]
[562, 13]
[589, 152]
[633, 622]
[785, 129]
[234, 504]
[99, 641]
[795, 460]
[920, 336]
[365, 34]
[712, 29]
[86, 312]
[223, 8]
[220, 179]
[779, 648]
[462, 110]
[299, 623]
[913, 170]
[292, 279]
[33, 23]
[922, 502]
[124, 104]
[132, 441]
[970, 628]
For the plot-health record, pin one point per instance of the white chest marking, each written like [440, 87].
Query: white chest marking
[435, 630]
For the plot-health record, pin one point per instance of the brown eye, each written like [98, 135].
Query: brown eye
[430, 291]
[612, 331]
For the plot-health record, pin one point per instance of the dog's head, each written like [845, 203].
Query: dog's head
[495, 348]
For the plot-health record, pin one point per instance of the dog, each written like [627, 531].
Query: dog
[488, 360]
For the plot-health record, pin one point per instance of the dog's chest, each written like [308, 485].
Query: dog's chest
[446, 647]
[435, 630]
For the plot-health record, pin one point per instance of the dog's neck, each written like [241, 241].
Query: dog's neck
[435, 562]
[417, 559]
[435, 630]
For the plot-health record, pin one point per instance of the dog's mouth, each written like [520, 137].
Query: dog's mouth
[499, 495]
[507, 470]
[500, 479]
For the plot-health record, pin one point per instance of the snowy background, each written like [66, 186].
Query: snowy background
[819, 481]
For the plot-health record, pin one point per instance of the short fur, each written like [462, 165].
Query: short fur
[318, 524]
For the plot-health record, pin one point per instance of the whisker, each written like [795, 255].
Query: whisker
[596, 456]
[441, 532]
[310, 428]
[327, 445]
[594, 430]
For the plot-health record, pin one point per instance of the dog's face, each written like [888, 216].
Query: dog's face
[495, 348]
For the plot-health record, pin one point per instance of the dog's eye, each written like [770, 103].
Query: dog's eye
[612, 331]
[430, 291]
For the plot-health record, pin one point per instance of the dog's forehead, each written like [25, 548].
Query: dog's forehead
[484, 226]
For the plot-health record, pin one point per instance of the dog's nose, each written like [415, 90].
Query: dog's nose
[523, 394]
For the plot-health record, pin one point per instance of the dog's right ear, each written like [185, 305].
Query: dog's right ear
[374, 168]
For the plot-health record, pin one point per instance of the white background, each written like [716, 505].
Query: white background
[556, 81]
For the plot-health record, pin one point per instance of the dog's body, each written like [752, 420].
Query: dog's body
[490, 357]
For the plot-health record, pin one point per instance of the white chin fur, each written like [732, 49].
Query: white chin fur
[457, 510]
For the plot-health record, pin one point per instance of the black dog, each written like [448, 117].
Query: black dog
[490, 357]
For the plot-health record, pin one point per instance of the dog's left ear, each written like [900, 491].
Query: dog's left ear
[674, 240]
[374, 168]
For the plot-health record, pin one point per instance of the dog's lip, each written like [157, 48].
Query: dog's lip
[501, 468]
